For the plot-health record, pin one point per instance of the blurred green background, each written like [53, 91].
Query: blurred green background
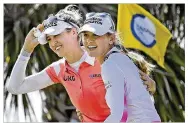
[55, 105]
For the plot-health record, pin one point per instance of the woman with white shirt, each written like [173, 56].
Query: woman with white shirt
[126, 97]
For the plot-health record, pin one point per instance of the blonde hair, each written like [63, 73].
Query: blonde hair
[71, 14]
[138, 59]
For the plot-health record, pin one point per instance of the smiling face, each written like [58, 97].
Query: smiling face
[63, 43]
[97, 46]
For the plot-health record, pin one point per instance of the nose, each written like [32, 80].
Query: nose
[90, 39]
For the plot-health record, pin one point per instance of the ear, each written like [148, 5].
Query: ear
[111, 42]
[112, 39]
[74, 31]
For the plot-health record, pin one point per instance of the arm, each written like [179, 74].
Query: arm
[115, 93]
[19, 84]
[137, 97]
[150, 83]
[124, 82]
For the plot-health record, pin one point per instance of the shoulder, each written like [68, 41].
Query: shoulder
[60, 61]
[117, 56]
[122, 60]
[120, 57]
[116, 59]
[56, 66]
[111, 67]
[119, 62]
[112, 72]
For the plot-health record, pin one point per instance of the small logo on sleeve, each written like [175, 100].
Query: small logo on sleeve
[108, 85]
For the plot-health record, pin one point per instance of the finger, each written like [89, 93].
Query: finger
[149, 85]
[148, 88]
[151, 91]
[40, 27]
[146, 83]
[81, 118]
[78, 113]
[35, 40]
[149, 82]
[141, 72]
[145, 78]
[145, 86]
[31, 32]
[143, 75]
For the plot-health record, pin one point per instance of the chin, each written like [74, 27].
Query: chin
[60, 55]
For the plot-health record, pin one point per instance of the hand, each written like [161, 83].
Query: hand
[150, 83]
[79, 114]
[31, 41]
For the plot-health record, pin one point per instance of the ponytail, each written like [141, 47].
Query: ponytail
[138, 59]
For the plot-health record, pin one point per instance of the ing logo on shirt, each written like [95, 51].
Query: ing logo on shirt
[94, 75]
[69, 78]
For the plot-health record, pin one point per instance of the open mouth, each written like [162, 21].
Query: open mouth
[91, 47]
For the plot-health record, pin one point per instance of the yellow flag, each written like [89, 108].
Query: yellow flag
[141, 30]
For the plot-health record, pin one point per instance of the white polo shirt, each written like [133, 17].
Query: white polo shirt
[125, 92]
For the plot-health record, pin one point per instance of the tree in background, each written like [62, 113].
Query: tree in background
[20, 18]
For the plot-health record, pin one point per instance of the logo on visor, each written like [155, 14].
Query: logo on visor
[143, 30]
[50, 24]
[94, 20]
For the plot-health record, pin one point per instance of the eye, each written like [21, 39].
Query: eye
[85, 35]
[95, 36]
[56, 35]
[48, 39]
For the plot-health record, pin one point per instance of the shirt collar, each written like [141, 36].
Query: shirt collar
[90, 60]
[113, 49]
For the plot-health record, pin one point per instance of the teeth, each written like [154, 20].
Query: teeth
[57, 48]
[92, 46]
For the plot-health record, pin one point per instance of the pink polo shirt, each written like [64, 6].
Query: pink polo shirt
[85, 87]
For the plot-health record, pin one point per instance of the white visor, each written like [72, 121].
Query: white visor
[56, 27]
[98, 25]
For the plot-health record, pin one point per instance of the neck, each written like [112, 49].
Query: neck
[74, 56]
[101, 58]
